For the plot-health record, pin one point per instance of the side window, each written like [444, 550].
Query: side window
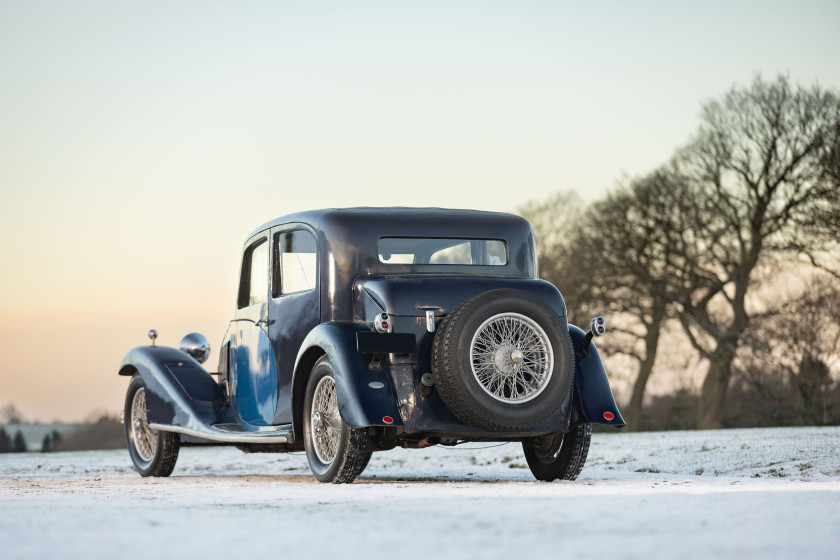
[253, 284]
[295, 259]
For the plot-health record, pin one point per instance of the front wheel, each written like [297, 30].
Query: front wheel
[335, 451]
[558, 456]
[154, 453]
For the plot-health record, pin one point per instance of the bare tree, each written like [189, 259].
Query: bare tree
[759, 164]
[11, 415]
[636, 250]
[554, 221]
[789, 352]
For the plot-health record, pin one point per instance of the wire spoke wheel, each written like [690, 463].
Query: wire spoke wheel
[336, 452]
[503, 360]
[326, 421]
[153, 452]
[511, 358]
[145, 439]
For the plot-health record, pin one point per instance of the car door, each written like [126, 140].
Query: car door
[294, 305]
[253, 370]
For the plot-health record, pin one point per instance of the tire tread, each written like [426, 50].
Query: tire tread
[569, 462]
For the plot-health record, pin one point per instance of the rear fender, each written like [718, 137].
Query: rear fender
[365, 395]
[593, 401]
[179, 391]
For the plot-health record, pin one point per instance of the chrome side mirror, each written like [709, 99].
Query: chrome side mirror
[197, 346]
[153, 335]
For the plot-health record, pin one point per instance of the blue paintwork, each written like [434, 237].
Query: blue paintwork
[253, 375]
[173, 398]
[292, 316]
[358, 403]
[592, 394]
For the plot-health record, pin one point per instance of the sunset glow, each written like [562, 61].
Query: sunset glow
[140, 144]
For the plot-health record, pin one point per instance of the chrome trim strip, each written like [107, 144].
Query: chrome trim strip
[217, 435]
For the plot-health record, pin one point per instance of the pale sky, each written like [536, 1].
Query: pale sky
[140, 142]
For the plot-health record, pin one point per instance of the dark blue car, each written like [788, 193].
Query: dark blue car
[359, 330]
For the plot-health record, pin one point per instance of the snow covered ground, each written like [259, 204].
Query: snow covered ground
[761, 493]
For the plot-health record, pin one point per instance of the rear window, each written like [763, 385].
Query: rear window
[442, 251]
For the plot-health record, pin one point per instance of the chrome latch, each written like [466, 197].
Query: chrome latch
[430, 315]
[430, 320]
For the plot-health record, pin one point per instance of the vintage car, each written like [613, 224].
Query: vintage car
[358, 330]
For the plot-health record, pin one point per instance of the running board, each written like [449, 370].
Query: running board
[233, 433]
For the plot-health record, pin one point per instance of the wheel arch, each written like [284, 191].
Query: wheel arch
[179, 391]
[365, 396]
[128, 370]
[303, 369]
[593, 400]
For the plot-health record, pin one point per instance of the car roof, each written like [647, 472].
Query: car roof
[405, 221]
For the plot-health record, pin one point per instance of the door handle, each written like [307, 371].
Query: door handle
[265, 322]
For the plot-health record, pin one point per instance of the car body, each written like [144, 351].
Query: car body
[430, 326]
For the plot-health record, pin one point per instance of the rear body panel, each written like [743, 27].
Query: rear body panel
[407, 298]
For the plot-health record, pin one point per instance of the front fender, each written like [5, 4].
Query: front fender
[179, 391]
[365, 395]
[593, 400]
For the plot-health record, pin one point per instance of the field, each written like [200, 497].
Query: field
[762, 493]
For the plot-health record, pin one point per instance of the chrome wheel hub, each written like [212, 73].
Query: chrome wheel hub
[502, 358]
[325, 428]
[143, 437]
[511, 358]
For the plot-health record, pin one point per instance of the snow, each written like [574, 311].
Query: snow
[760, 493]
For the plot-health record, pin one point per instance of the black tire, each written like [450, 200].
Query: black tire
[160, 450]
[348, 458]
[365, 463]
[558, 456]
[460, 388]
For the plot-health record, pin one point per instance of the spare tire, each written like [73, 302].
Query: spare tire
[503, 360]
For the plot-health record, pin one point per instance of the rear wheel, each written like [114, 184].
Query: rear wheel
[335, 451]
[365, 463]
[154, 453]
[558, 456]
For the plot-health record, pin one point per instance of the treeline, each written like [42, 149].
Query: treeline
[15, 444]
[105, 432]
[729, 249]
